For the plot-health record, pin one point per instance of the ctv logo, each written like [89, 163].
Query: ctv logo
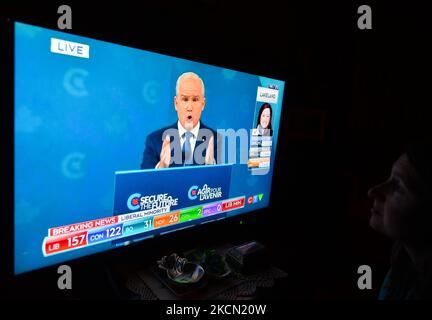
[193, 192]
[133, 201]
[255, 198]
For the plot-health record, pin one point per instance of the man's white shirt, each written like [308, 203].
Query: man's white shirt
[192, 139]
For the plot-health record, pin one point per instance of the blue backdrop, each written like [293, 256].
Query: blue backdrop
[77, 121]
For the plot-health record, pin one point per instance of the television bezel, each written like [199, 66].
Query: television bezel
[243, 222]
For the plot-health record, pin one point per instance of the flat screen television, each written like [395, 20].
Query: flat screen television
[115, 145]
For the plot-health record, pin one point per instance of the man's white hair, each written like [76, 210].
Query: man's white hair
[192, 75]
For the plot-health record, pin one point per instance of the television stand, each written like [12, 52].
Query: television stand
[151, 283]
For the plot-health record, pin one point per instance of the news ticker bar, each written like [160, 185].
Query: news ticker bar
[259, 151]
[102, 231]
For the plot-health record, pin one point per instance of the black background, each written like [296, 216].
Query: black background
[369, 88]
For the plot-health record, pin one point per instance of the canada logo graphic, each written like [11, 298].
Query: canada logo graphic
[193, 192]
[205, 193]
[133, 201]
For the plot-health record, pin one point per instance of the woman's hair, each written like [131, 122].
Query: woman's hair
[263, 107]
[420, 156]
[411, 281]
[407, 280]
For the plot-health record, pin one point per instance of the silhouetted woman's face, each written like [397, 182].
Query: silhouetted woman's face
[398, 204]
[265, 118]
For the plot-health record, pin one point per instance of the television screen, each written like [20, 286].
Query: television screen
[114, 145]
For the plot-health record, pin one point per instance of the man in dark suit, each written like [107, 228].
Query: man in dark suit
[189, 141]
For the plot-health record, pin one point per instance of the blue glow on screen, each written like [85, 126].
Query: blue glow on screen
[79, 120]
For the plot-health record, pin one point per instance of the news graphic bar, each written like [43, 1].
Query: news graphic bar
[191, 214]
[259, 163]
[105, 234]
[83, 234]
[166, 219]
[260, 153]
[58, 244]
[233, 204]
[137, 227]
[72, 228]
[212, 209]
